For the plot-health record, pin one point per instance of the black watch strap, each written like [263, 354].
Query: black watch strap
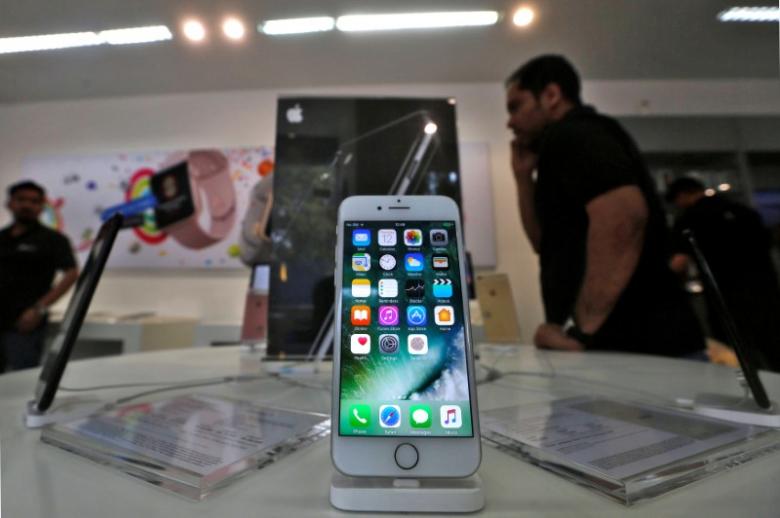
[573, 330]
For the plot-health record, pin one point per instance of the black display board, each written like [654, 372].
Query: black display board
[328, 149]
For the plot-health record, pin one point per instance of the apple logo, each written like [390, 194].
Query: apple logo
[295, 114]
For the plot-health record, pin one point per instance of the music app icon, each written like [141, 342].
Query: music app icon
[450, 416]
[388, 315]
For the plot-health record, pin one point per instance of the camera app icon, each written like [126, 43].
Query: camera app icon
[439, 237]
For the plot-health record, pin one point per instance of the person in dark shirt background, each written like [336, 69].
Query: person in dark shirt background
[30, 256]
[590, 210]
[737, 246]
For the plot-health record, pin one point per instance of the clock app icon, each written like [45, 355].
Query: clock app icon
[387, 262]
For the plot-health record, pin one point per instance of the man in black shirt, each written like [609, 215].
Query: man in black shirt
[592, 214]
[30, 256]
[737, 245]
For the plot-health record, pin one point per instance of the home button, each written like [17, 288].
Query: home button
[406, 456]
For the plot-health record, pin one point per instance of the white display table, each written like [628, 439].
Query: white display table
[39, 480]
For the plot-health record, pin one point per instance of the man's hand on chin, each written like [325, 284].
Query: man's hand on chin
[28, 320]
[551, 336]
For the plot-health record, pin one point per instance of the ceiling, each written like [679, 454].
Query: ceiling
[606, 39]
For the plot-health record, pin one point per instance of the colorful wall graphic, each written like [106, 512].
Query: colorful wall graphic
[79, 188]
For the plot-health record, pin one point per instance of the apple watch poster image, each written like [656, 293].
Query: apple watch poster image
[198, 185]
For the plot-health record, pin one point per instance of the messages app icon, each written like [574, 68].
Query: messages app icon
[420, 416]
[414, 262]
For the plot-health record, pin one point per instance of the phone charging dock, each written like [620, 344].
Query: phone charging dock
[407, 495]
[62, 410]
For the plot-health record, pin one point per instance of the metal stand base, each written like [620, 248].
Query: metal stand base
[738, 409]
[62, 410]
[432, 495]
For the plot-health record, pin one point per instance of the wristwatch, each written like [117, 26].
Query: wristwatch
[573, 330]
[209, 178]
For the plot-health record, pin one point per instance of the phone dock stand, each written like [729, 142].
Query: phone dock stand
[62, 410]
[739, 409]
[407, 495]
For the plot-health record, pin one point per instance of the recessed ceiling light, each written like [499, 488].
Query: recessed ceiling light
[297, 25]
[750, 14]
[389, 22]
[523, 17]
[194, 30]
[85, 39]
[233, 28]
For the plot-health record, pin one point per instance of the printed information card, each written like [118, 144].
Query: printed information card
[189, 444]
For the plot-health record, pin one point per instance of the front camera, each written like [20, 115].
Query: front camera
[379, 208]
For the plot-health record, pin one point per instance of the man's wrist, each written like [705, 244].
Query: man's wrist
[41, 309]
[571, 329]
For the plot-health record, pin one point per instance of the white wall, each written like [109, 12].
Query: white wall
[247, 118]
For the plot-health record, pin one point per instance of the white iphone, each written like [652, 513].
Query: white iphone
[404, 396]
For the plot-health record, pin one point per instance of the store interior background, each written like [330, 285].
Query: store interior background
[682, 81]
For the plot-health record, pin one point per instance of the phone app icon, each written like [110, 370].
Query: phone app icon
[444, 315]
[414, 262]
[387, 262]
[387, 237]
[388, 288]
[361, 262]
[440, 262]
[359, 416]
[417, 344]
[442, 288]
[390, 416]
[416, 315]
[361, 288]
[420, 416]
[415, 288]
[451, 416]
[361, 237]
[360, 344]
[360, 315]
[439, 237]
[413, 237]
[388, 344]
[388, 316]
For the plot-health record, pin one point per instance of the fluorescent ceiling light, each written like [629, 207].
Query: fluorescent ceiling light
[49, 42]
[389, 22]
[136, 35]
[297, 25]
[84, 39]
[750, 14]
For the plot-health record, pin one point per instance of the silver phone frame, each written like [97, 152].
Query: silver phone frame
[452, 457]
